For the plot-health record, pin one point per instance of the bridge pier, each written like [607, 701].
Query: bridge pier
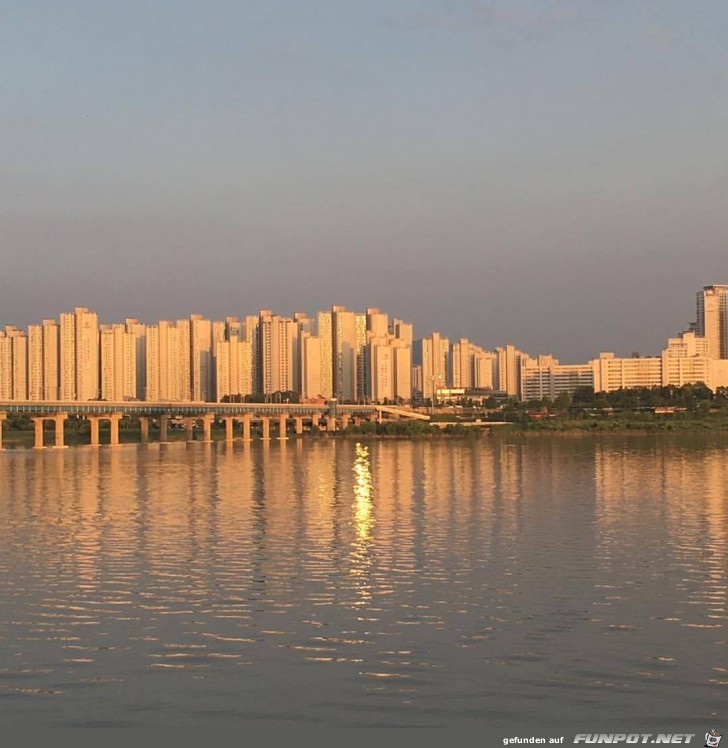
[266, 428]
[38, 422]
[282, 427]
[246, 427]
[190, 428]
[163, 429]
[299, 425]
[59, 420]
[3, 416]
[345, 420]
[229, 428]
[144, 426]
[114, 419]
[207, 420]
[94, 423]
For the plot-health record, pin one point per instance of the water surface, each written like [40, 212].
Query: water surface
[444, 582]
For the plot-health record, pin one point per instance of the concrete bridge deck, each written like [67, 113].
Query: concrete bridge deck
[95, 411]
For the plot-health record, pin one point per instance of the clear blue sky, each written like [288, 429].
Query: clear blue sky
[551, 173]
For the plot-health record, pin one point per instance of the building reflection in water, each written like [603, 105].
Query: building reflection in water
[404, 564]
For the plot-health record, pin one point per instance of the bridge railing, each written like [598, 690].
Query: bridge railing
[139, 408]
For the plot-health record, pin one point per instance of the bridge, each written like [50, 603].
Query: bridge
[330, 415]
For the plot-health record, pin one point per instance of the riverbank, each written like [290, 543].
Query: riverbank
[643, 423]
[398, 430]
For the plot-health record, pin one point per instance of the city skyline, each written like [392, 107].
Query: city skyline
[447, 330]
[352, 356]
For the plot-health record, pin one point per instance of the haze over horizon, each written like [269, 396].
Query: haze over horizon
[551, 174]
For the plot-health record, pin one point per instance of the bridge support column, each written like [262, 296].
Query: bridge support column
[190, 428]
[266, 428]
[94, 423]
[163, 429]
[144, 426]
[345, 420]
[114, 419]
[299, 426]
[331, 423]
[38, 421]
[282, 427]
[207, 420]
[229, 426]
[3, 416]
[246, 428]
[59, 420]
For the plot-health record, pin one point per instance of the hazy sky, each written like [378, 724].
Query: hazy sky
[552, 173]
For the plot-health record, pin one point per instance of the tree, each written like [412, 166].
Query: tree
[562, 402]
[584, 396]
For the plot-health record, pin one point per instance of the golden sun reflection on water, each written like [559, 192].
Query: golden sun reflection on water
[363, 515]
[363, 512]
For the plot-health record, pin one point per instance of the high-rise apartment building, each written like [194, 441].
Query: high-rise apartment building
[168, 358]
[325, 334]
[377, 323]
[79, 355]
[390, 369]
[507, 371]
[461, 374]
[346, 340]
[139, 331]
[402, 370]
[471, 366]
[381, 373]
[201, 358]
[362, 364]
[118, 364]
[712, 322]
[304, 325]
[233, 368]
[51, 359]
[309, 350]
[432, 354]
[6, 367]
[13, 364]
[403, 331]
[35, 362]
[276, 336]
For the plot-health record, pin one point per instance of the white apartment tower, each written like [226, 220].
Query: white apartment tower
[276, 337]
[201, 358]
[79, 355]
[35, 362]
[325, 334]
[168, 361]
[139, 331]
[310, 366]
[233, 368]
[432, 354]
[118, 363]
[344, 355]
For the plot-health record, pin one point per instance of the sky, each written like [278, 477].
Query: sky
[550, 173]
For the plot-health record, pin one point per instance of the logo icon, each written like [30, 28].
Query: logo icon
[712, 739]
